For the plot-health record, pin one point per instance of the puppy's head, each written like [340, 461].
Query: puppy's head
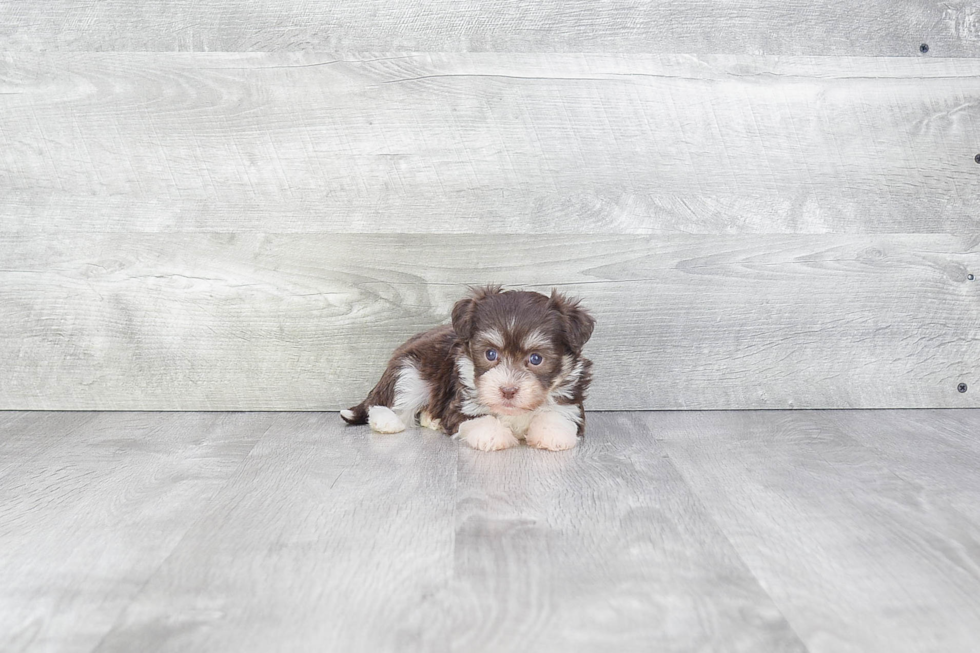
[521, 344]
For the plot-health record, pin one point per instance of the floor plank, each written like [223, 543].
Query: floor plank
[329, 538]
[856, 557]
[601, 549]
[92, 504]
[335, 534]
[938, 450]
[671, 531]
[26, 436]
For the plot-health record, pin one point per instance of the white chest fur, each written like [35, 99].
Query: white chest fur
[518, 423]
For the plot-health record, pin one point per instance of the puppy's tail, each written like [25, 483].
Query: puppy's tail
[383, 394]
[355, 414]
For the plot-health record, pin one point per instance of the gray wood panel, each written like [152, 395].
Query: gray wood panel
[307, 321]
[855, 557]
[834, 27]
[92, 504]
[488, 143]
[329, 538]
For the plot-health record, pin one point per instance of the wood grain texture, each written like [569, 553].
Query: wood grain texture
[936, 450]
[726, 531]
[328, 538]
[601, 549]
[92, 504]
[338, 535]
[854, 556]
[488, 143]
[21, 431]
[834, 27]
[306, 322]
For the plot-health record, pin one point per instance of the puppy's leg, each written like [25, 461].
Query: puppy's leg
[396, 399]
[411, 393]
[552, 431]
[486, 433]
[384, 420]
[426, 421]
[383, 394]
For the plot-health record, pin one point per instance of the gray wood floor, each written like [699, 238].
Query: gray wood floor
[664, 531]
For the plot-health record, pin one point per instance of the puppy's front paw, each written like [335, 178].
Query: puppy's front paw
[426, 421]
[487, 434]
[551, 431]
[384, 420]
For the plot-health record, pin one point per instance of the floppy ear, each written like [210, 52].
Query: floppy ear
[465, 309]
[463, 318]
[577, 323]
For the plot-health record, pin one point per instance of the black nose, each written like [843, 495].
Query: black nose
[508, 391]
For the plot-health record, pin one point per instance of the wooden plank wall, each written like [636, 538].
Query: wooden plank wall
[766, 204]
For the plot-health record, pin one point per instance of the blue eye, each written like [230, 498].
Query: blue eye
[536, 359]
[491, 354]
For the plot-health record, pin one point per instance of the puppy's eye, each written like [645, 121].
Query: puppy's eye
[535, 359]
[491, 354]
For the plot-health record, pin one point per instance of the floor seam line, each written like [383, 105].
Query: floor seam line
[180, 540]
[721, 531]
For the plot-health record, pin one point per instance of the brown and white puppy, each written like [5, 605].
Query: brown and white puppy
[508, 368]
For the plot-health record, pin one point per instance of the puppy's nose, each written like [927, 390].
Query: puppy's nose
[508, 391]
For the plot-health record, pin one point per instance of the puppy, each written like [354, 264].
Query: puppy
[508, 368]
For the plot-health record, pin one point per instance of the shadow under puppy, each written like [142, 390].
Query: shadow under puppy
[509, 367]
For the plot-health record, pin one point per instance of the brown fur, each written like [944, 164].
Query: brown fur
[514, 315]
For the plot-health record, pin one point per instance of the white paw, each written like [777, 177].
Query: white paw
[384, 420]
[486, 434]
[426, 421]
[551, 431]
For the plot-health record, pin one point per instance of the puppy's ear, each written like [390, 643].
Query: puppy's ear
[577, 323]
[463, 318]
[465, 309]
